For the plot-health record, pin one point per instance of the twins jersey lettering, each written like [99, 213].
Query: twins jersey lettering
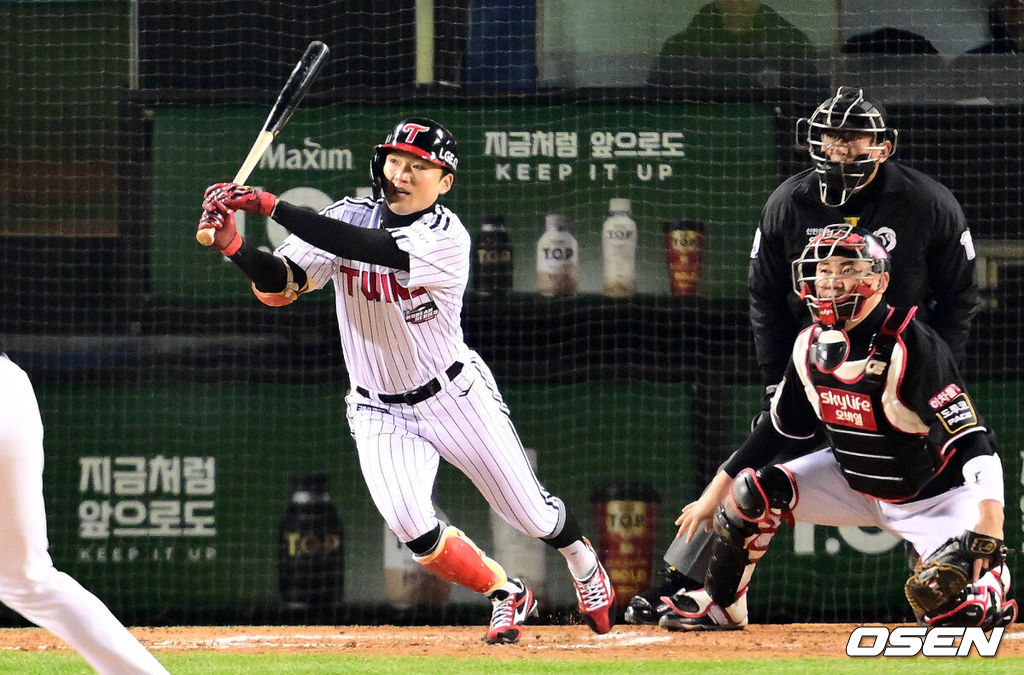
[398, 329]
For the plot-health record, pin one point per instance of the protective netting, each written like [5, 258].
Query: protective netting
[181, 413]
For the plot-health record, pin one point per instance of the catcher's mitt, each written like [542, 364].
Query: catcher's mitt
[949, 570]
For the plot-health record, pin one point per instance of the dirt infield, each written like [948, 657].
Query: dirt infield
[542, 642]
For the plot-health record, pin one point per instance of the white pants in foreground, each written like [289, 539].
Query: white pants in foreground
[29, 583]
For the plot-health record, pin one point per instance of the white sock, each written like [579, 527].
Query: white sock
[581, 560]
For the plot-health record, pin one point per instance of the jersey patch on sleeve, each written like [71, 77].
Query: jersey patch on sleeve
[846, 408]
[947, 394]
[958, 414]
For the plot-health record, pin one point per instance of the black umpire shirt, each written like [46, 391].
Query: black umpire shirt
[916, 218]
[928, 384]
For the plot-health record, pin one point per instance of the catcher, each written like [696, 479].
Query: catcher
[907, 452]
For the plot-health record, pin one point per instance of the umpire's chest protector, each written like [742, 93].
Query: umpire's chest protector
[881, 445]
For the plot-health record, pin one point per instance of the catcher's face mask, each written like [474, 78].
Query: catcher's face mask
[838, 271]
[847, 139]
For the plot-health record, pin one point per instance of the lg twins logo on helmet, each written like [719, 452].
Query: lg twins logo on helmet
[412, 130]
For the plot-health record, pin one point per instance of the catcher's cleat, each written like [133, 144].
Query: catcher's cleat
[695, 610]
[509, 614]
[647, 607]
[596, 598]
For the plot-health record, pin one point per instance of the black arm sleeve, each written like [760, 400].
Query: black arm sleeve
[764, 445]
[769, 287]
[265, 270]
[951, 276]
[374, 246]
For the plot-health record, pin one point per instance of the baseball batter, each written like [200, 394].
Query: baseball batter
[29, 583]
[907, 451]
[399, 264]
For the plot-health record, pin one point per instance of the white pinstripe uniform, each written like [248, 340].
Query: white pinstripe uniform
[401, 331]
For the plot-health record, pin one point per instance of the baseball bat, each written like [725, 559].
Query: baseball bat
[291, 94]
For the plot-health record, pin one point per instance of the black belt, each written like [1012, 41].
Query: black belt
[414, 396]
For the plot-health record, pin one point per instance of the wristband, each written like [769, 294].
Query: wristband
[233, 247]
[983, 475]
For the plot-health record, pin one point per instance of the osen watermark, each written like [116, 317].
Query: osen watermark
[914, 640]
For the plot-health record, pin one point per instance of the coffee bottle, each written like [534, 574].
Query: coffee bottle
[492, 271]
[626, 516]
[618, 246]
[557, 258]
[684, 252]
[311, 552]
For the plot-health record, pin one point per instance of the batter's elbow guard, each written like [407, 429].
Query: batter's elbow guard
[289, 294]
[280, 299]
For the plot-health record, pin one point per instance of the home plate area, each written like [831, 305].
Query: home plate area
[540, 642]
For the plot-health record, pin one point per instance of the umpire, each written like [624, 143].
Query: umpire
[853, 179]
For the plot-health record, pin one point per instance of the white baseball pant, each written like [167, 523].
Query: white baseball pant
[29, 583]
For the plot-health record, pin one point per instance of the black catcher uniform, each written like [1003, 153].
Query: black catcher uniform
[906, 450]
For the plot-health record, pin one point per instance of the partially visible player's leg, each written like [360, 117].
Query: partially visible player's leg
[399, 468]
[759, 501]
[29, 584]
[686, 564]
[474, 432]
[807, 489]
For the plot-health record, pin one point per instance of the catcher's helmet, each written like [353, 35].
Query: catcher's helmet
[420, 136]
[846, 241]
[847, 111]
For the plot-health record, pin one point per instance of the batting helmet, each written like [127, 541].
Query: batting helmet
[421, 136]
[845, 241]
[846, 112]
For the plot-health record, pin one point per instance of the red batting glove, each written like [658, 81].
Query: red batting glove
[221, 220]
[241, 198]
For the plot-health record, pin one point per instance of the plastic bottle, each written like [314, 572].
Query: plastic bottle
[557, 258]
[493, 258]
[406, 582]
[684, 252]
[618, 244]
[521, 555]
[311, 551]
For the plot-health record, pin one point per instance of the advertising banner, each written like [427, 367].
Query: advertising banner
[714, 164]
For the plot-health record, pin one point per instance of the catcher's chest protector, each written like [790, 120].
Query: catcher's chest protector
[875, 457]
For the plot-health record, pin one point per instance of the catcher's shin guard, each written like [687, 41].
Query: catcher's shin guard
[758, 502]
[457, 559]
